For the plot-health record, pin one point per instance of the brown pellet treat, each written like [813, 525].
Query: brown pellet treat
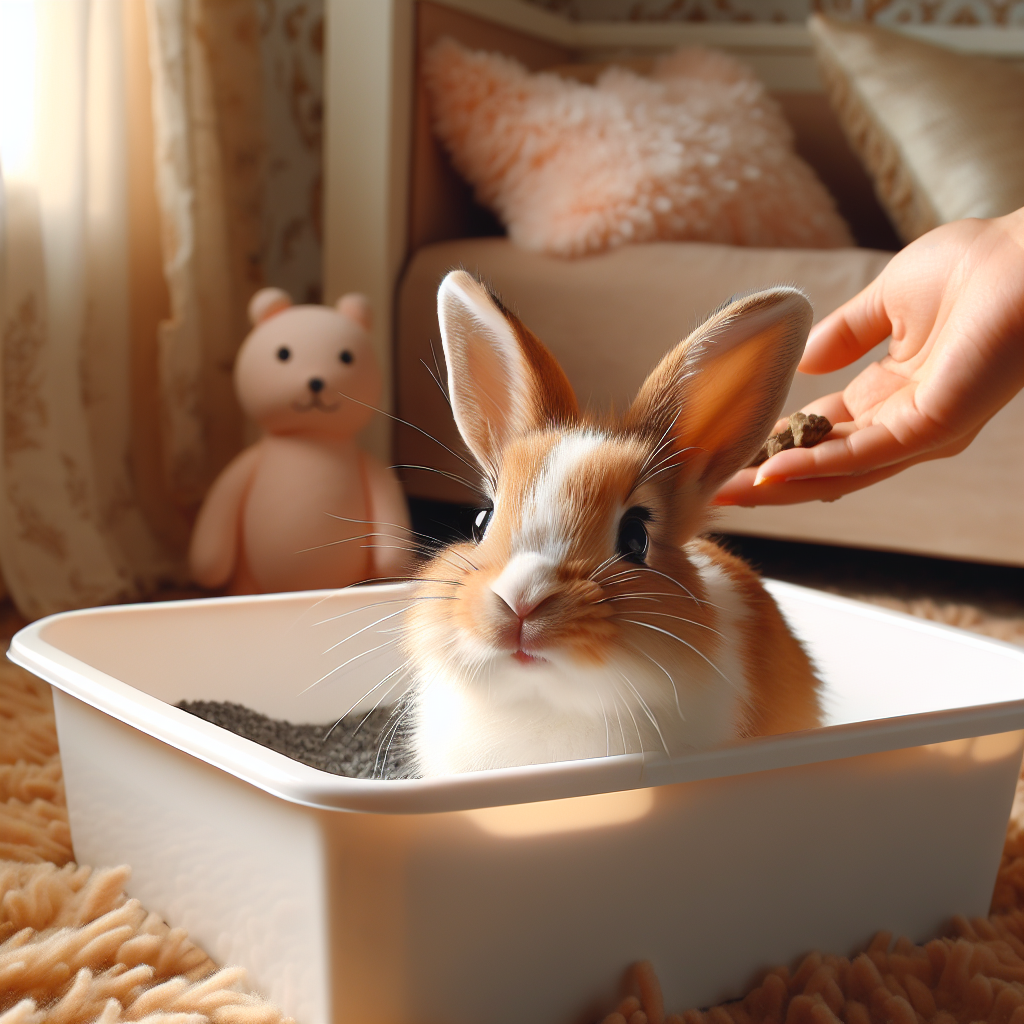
[804, 431]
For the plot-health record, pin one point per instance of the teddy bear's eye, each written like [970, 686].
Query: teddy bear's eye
[346, 357]
[284, 353]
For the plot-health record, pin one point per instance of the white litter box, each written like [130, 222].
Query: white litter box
[523, 894]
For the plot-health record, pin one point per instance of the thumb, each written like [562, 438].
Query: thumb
[848, 332]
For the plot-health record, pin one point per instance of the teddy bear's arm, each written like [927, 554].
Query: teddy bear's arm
[213, 551]
[390, 514]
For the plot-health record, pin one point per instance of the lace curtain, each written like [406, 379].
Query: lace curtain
[116, 407]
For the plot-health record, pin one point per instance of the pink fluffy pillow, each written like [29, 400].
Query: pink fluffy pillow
[698, 151]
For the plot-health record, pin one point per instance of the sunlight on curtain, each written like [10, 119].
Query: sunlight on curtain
[17, 85]
[71, 532]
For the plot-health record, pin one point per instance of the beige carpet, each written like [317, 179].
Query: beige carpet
[75, 949]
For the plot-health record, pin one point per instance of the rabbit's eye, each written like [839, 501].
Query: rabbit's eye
[633, 539]
[284, 353]
[346, 357]
[480, 521]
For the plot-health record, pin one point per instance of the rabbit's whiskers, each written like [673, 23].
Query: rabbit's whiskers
[666, 439]
[390, 675]
[607, 726]
[428, 545]
[675, 582]
[377, 622]
[668, 675]
[338, 668]
[348, 540]
[442, 555]
[412, 426]
[669, 615]
[392, 727]
[629, 710]
[617, 577]
[441, 472]
[646, 710]
[697, 651]
[437, 379]
[604, 565]
[380, 604]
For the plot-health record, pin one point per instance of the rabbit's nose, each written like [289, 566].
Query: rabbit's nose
[316, 385]
[525, 582]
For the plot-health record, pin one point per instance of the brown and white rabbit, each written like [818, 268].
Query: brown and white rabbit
[587, 618]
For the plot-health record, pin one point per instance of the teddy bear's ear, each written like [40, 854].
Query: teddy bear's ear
[357, 307]
[266, 303]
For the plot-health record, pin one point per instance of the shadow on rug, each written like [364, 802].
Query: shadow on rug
[75, 950]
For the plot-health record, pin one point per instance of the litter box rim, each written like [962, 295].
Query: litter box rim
[301, 784]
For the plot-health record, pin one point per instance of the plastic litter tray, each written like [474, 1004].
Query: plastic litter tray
[524, 893]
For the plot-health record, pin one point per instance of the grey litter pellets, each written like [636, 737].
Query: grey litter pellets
[351, 749]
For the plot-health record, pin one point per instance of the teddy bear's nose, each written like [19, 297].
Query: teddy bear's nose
[316, 385]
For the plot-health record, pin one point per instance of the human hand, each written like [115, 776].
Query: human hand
[953, 303]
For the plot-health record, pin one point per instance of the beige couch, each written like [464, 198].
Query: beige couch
[608, 318]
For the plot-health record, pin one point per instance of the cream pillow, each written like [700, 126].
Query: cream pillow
[698, 151]
[941, 133]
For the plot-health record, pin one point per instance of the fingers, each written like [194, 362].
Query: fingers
[862, 451]
[833, 407]
[848, 332]
[740, 490]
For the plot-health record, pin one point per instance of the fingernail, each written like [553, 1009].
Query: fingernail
[723, 501]
[769, 480]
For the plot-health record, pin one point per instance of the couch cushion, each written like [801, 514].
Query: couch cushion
[607, 318]
[941, 133]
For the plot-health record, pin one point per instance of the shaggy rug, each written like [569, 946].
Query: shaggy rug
[75, 949]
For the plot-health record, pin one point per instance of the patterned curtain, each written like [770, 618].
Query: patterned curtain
[207, 105]
[116, 402]
[71, 529]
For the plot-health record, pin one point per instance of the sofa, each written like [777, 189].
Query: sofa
[398, 217]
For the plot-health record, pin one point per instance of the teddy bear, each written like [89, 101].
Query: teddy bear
[304, 507]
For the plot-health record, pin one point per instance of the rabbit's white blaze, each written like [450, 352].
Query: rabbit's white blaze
[589, 618]
[546, 523]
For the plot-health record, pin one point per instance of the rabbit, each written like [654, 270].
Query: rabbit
[587, 617]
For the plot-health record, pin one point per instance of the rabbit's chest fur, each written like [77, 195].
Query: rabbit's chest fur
[560, 712]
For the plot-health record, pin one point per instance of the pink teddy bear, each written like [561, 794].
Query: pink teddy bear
[304, 507]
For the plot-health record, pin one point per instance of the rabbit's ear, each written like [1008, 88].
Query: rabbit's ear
[501, 379]
[720, 392]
